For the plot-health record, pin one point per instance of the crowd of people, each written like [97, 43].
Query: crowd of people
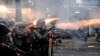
[21, 40]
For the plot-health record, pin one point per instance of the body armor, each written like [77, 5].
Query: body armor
[4, 39]
[22, 38]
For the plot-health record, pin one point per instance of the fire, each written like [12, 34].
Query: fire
[78, 24]
[35, 21]
[71, 25]
[68, 25]
[91, 22]
[47, 21]
[51, 20]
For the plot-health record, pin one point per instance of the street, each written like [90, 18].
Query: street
[79, 48]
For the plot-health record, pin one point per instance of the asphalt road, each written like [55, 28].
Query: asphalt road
[76, 47]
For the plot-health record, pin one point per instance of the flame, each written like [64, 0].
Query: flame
[35, 21]
[51, 20]
[68, 25]
[78, 24]
[47, 21]
[91, 22]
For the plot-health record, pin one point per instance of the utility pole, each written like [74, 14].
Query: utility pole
[18, 10]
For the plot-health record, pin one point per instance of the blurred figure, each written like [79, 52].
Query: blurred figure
[97, 34]
[40, 42]
[22, 38]
[5, 40]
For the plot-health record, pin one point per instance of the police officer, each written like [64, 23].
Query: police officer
[22, 38]
[4, 40]
[40, 42]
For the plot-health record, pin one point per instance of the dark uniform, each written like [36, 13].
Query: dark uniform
[97, 31]
[40, 40]
[40, 44]
[4, 39]
[22, 38]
